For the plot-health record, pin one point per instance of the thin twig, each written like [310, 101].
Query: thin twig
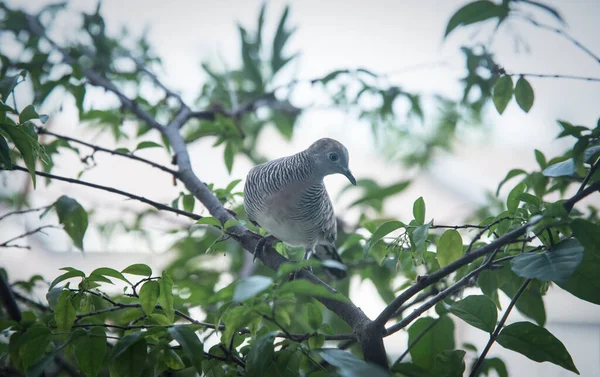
[554, 76]
[499, 327]
[587, 178]
[29, 233]
[22, 212]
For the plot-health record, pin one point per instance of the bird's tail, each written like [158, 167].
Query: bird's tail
[324, 252]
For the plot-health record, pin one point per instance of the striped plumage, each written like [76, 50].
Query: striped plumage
[287, 196]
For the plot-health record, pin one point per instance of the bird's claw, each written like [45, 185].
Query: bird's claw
[262, 244]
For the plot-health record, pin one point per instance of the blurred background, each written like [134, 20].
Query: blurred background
[402, 40]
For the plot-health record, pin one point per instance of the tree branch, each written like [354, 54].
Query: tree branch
[28, 233]
[22, 212]
[554, 76]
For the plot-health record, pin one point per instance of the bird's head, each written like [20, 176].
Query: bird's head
[331, 157]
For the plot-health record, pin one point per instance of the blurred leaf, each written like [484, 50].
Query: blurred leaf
[475, 11]
[512, 202]
[548, 9]
[314, 315]
[106, 271]
[449, 364]
[524, 94]
[493, 363]
[5, 159]
[281, 37]
[556, 264]
[303, 287]
[560, 169]
[192, 347]
[229, 223]
[73, 217]
[250, 287]
[8, 83]
[149, 296]
[165, 299]
[33, 344]
[209, 221]
[382, 231]
[419, 211]
[228, 155]
[25, 139]
[503, 93]
[349, 365]
[449, 247]
[478, 311]
[438, 338]
[537, 343]
[188, 202]
[124, 343]
[138, 269]
[147, 144]
[64, 312]
[71, 273]
[260, 355]
[511, 174]
[130, 362]
[29, 113]
[90, 350]
[381, 193]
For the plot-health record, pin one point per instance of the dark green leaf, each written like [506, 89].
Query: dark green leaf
[349, 365]
[5, 159]
[124, 343]
[73, 217]
[503, 93]
[29, 113]
[5, 108]
[438, 338]
[419, 211]
[147, 144]
[536, 343]
[449, 364]
[524, 94]
[541, 159]
[477, 311]
[260, 355]
[250, 287]
[303, 287]
[8, 83]
[89, 351]
[556, 264]
[71, 273]
[192, 347]
[382, 231]
[107, 271]
[138, 269]
[585, 281]
[26, 142]
[165, 299]
[130, 362]
[314, 316]
[149, 296]
[449, 247]
[511, 174]
[495, 364]
[475, 12]
[64, 312]
[33, 344]
[512, 202]
[228, 156]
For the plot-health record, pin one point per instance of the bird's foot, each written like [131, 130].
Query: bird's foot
[294, 275]
[262, 244]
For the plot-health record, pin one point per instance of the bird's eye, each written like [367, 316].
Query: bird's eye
[333, 157]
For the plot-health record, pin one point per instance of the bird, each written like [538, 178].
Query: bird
[287, 198]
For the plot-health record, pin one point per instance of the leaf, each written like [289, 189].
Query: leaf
[260, 355]
[540, 158]
[64, 312]
[419, 211]
[281, 37]
[90, 350]
[165, 299]
[475, 12]
[585, 281]
[512, 202]
[131, 361]
[5, 159]
[493, 363]
[107, 271]
[503, 93]
[124, 343]
[147, 144]
[511, 174]
[209, 221]
[419, 238]
[149, 296]
[478, 311]
[33, 344]
[303, 287]
[73, 217]
[557, 264]
[229, 223]
[250, 287]
[27, 144]
[138, 269]
[71, 273]
[349, 365]
[437, 339]
[380, 193]
[8, 83]
[524, 94]
[188, 202]
[548, 9]
[536, 343]
[449, 364]
[314, 316]
[192, 346]
[449, 247]
[561, 169]
[228, 155]
[382, 231]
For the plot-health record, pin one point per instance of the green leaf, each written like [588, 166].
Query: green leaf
[511, 174]
[437, 339]
[382, 231]
[5, 159]
[449, 247]
[147, 144]
[536, 343]
[138, 269]
[71, 273]
[260, 355]
[209, 221]
[512, 202]
[107, 271]
[90, 350]
[149, 296]
[540, 158]
[28, 113]
[124, 343]
[229, 223]
[306, 288]
[130, 362]
[8, 83]
[165, 299]
[228, 155]
[557, 264]
[585, 281]
[73, 217]
[449, 364]
[6, 108]
[380, 193]
[524, 94]
[192, 346]
[314, 315]
[25, 139]
[64, 312]
[33, 344]
[188, 202]
[493, 363]
[475, 12]
[419, 238]
[561, 169]
[419, 211]
[503, 93]
[281, 37]
[478, 311]
[250, 287]
[349, 365]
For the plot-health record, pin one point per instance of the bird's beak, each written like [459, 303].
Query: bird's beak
[350, 177]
